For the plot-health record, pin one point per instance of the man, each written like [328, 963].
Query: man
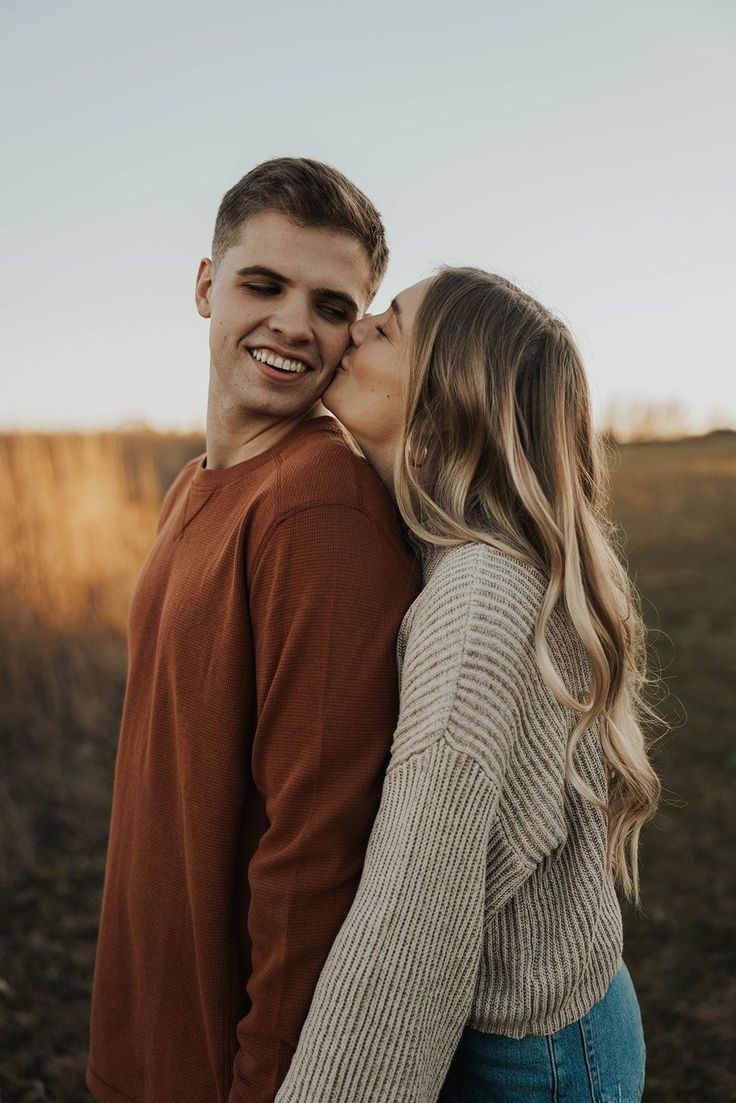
[261, 697]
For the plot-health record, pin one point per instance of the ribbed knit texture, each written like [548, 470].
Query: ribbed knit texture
[261, 702]
[484, 899]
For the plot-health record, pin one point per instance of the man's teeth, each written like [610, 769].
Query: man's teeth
[267, 357]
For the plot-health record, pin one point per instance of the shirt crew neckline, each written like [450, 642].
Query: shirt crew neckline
[206, 478]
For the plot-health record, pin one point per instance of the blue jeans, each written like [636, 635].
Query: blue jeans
[598, 1059]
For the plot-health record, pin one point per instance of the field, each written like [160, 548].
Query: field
[78, 513]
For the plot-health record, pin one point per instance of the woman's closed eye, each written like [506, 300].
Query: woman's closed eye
[382, 333]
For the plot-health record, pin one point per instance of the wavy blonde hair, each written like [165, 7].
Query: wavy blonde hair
[498, 447]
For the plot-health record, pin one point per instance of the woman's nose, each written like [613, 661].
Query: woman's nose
[357, 329]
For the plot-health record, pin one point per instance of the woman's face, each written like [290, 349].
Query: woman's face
[368, 391]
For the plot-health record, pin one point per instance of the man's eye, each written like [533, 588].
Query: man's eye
[262, 288]
[334, 312]
[379, 330]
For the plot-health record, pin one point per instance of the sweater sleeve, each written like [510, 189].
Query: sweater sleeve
[327, 595]
[396, 990]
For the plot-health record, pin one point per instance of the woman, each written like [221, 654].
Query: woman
[481, 960]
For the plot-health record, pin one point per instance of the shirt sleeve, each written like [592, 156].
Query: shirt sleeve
[396, 990]
[327, 596]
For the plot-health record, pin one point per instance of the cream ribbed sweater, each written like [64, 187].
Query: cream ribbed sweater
[484, 899]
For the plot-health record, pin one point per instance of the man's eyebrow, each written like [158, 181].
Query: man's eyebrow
[397, 311]
[261, 270]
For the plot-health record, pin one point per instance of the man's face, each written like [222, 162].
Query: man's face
[287, 293]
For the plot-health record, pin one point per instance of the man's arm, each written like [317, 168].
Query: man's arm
[327, 595]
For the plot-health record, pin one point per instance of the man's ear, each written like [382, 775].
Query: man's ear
[203, 286]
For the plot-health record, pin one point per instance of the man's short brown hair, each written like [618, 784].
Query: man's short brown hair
[309, 193]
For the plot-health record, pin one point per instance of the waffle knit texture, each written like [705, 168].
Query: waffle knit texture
[484, 899]
[261, 702]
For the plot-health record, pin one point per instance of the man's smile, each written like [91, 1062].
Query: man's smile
[268, 356]
[274, 364]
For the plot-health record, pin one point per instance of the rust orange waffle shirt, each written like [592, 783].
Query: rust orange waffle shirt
[259, 712]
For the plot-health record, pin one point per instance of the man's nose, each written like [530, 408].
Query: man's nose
[292, 320]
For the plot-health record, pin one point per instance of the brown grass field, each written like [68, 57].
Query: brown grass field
[78, 512]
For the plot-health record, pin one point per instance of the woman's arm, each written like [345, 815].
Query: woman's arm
[395, 992]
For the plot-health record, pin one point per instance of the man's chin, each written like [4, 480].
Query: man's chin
[328, 398]
[320, 410]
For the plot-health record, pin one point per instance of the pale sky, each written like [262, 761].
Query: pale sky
[585, 150]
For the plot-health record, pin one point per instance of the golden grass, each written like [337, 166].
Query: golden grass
[78, 514]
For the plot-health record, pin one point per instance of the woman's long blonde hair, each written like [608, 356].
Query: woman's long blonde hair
[498, 447]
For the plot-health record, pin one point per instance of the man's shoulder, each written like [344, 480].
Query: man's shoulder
[319, 484]
[178, 487]
[320, 468]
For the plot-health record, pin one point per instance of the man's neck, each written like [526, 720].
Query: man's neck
[234, 434]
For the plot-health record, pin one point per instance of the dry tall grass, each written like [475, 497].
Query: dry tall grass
[77, 513]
